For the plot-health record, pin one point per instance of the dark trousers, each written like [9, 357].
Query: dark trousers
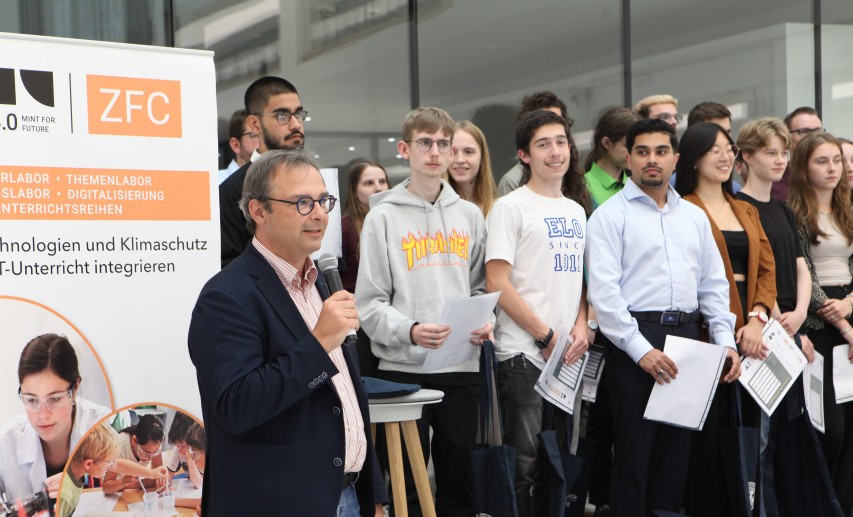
[649, 458]
[454, 428]
[367, 362]
[522, 414]
[599, 428]
[837, 442]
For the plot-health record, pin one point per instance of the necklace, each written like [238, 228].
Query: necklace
[821, 212]
[715, 209]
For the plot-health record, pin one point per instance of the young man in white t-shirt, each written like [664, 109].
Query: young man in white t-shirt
[534, 256]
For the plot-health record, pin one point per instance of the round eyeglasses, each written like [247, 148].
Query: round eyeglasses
[51, 402]
[305, 204]
[425, 145]
[717, 151]
[283, 117]
[670, 117]
[805, 131]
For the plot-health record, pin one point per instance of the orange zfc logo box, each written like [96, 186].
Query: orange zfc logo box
[134, 107]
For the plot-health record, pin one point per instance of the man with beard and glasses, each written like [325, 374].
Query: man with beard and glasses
[275, 114]
[242, 141]
[657, 272]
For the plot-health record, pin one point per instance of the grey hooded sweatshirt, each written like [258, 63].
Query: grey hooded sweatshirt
[415, 255]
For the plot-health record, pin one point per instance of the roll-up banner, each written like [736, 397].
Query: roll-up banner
[108, 221]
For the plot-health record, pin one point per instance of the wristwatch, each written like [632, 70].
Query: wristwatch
[543, 343]
[761, 315]
[592, 324]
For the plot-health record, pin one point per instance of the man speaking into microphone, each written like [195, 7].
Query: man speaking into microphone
[284, 409]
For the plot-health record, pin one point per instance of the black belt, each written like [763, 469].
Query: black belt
[670, 318]
[349, 478]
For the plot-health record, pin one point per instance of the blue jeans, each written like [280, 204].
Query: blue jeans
[521, 412]
[348, 504]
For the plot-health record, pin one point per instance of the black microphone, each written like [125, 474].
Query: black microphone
[328, 264]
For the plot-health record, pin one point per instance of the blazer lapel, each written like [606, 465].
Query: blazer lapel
[270, 286]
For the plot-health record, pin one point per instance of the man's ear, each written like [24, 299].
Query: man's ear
[403, 149]
[258, 211]
[234, 144]
[523, 156]
[253, 122]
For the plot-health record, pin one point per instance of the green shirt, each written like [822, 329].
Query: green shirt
[601, 185]
[69, 494]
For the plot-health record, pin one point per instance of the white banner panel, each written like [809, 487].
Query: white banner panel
[108, 170]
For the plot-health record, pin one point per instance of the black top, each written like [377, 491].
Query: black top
[781, 228]
[232, 224]
[738, 245]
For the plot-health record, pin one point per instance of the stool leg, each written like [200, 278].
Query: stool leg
[373, 433]
[416, 459]
[395, 462]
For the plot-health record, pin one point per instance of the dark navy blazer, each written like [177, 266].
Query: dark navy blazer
[275, 431]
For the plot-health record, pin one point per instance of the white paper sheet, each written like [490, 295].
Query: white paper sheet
[685, 401]
[559, 383]
[842, 374]
[463, 315]
[813, 387]
[768, 380]
[184, 488]
[592, 372]
[95, 503]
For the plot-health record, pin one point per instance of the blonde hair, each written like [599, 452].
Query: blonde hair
[427, 120]
[756, 134]
[99, 444]
[483, 194]
[642, 107]
[802, 199]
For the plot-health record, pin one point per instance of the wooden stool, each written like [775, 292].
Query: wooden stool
[403, 412]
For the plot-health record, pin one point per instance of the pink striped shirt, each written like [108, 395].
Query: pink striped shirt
[307, 299]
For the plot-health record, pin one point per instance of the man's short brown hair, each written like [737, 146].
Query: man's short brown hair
[428, 120]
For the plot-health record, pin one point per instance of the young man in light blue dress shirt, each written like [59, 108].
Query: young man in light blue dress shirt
[654, 270]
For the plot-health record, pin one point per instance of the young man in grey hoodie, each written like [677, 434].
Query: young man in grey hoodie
[421, 244]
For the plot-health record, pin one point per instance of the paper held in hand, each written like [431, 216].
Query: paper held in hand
[770, 379]
[813, 387]
[842, 374]
[593, 371]
[685, 401]
[559, 383]
[463, 316]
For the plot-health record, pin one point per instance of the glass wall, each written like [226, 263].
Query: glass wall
[837, 66]
[348, 59]
[147, 22]
[478, 58]
[756, 57]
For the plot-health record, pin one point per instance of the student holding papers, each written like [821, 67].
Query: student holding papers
[820, 199]
[657, 272]
[422, 245]
[704, 177]
[534, 256]
[764, 155]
